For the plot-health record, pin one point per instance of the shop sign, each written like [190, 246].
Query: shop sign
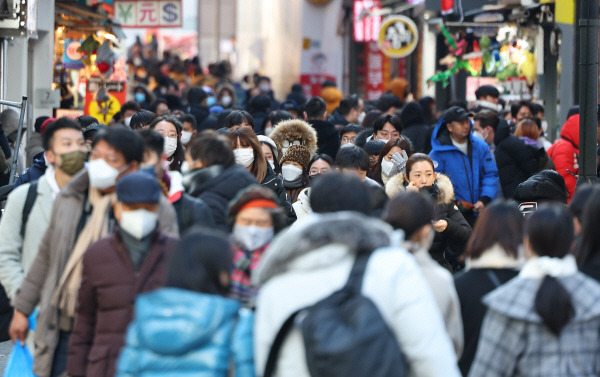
[365, 29]
[72, 57]
[312, 83]
[148, 14]
[398, 36]
[117, 92]
[378, 72]
[46, 98]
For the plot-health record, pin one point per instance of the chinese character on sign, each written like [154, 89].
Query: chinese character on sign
[152, 13]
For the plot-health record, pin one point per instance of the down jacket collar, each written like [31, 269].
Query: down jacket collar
[396, 185]
[349, 229]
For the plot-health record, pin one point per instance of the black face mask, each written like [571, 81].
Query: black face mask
[433, 190]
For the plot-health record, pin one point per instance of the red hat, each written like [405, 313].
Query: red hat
[45, 124]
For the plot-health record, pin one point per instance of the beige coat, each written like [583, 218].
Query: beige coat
[43, 277]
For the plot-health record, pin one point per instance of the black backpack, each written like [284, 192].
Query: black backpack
[27, 206]
[344, 334]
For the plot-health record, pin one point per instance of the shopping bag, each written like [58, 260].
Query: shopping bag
[20, 362]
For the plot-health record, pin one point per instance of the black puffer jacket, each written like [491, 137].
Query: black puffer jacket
[217, 186]
[450, 244]
[516, 161]
[415, 127]
[328, 137]
[192, 212]
[199, 112]
[275, 183]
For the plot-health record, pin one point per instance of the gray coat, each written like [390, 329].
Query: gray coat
[515, 342]
[57, 244]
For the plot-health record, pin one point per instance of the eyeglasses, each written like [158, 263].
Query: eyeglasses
[286, 143]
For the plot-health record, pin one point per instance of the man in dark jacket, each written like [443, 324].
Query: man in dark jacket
[349, 111]
[328, 136]
[515, 161]
[415, 127]
[259, 108]
[116, 269]
[197, 106]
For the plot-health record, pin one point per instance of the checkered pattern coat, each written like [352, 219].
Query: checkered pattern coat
[515, 342]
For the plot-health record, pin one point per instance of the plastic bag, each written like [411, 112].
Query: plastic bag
[20, 362]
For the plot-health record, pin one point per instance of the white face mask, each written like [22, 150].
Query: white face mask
[384, 140]
[264, 88]
[185, 167]
[170, 146]
[545, 125]
[139, 223]
[102, 175]
[186, 137]
[361, 117]
[244, 156]
[272, 163]
[252, 237]
[226, 100]
[290, 172]
[127, 121]
[478, 135]
[268, 130]
[386, 167]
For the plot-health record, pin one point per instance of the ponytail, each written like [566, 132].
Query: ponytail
[553, 304]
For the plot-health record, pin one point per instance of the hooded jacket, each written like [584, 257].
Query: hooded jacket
[474, 176]
[451, 242]
[275, 183]
[515, 342]
[415, 127]
[544, 186]
[328, 137]
[565, 153]
[37, 169]
[313, 259]
[298, 129]
[203, 331]
[217, 186]
[516, 161]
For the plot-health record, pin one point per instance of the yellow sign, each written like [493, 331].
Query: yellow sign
[398, 36]
[565, 12]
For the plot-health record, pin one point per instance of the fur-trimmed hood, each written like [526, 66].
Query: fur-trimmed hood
[298, 129]
[349, 229]
[396, 185]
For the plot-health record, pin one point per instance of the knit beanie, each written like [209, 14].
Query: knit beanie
[297, 153]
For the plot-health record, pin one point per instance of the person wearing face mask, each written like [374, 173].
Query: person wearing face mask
[226, 96]
[387, 127]
[190, 211]
[188, 128]
[414, 213]
[270, 151]
[255, 218]
[128, 110]
[211, 174]
[452, 231]
[294, 132]
[142, 96]
[391, 161]
[249, 153]
[318, 166]
[21, 229]
[350, 111]
[294, 171]
[130, 261]
[82, 214]
[170, 128]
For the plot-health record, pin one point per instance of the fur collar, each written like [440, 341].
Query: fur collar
[298, 129]
[351, 230]
[396, 185]
[494, 257]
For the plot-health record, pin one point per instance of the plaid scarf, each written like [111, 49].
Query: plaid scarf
[244, 262]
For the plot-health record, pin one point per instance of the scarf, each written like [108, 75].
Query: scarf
[65, 296]
[539, 267]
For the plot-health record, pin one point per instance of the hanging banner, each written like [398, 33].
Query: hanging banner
[366, 27]
[148, 14]
[377, 72]
[398, 36]
[72, 57]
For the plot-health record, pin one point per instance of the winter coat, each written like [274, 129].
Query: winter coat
[199, 112]
[415, 127]
[336, 119]
[179, 333]
[56, 246]
[451, 242]
[474, 176]
[328, 137]
[109, 285]
[17, 253]
[441, 283]
[516, 161]
[298, 129]
[313, 259]
[37, 169]
[34, 147]
[192, 212]
[515, 342]
[302, 204]
[481, 276]
[547, 185]
[565, 153]
[260, 118]
[275, 183]
[217, 186]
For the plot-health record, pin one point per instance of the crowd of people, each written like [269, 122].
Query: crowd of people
[206, 235]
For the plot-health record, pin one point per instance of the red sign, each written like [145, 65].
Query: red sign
[366, 27]
[311, 83]
[378, 71]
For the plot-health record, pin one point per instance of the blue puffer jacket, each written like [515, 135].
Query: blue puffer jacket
[182, 333]
[473, 179]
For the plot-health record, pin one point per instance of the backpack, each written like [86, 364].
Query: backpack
[27, 206]
[344, 334]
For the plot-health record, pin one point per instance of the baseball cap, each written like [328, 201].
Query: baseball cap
[456, 114]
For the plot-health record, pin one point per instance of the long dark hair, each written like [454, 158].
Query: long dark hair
[550, 233]
[246, 136]
[198, 261]
[402, 143]
[589, 249]
[179, 154]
